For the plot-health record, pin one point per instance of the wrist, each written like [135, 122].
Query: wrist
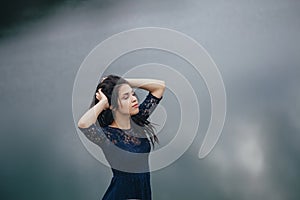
[100, 104]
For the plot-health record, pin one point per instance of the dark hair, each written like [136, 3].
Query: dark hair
[110, 88]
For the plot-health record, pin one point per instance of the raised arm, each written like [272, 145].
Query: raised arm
[156, 87]
[91, 115]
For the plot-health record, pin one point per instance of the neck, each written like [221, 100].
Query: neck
[121, 121]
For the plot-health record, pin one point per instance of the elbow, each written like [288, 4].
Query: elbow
[81, 124]
[162, 85]
[160, 89]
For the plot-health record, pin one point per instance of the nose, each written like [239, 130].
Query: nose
[133, 99]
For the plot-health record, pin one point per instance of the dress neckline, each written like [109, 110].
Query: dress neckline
[119, 128]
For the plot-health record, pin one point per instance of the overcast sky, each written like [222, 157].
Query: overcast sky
[255, 45]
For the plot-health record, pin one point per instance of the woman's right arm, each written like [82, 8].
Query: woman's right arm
[90, 117]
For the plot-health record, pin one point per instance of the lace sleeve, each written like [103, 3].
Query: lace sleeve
[94, 133]
[148, 105]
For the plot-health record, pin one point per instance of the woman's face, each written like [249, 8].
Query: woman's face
[127, 100]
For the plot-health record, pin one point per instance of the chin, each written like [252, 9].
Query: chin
[135, 112]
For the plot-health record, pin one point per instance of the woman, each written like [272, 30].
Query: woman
[119, 125]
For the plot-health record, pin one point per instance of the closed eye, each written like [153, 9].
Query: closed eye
[126, 95]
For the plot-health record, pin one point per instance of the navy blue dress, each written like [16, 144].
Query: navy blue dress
[128, 155]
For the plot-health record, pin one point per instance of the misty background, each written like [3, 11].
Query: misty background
[255, 45]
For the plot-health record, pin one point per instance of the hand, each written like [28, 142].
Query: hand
[101, 97]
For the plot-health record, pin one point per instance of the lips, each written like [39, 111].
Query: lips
[135, 105]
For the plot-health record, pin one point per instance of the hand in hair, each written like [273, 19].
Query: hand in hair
[91, 115]
[101, 97]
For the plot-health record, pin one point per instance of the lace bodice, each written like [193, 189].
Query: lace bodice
[125, 139]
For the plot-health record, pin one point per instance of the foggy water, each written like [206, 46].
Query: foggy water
[256, 47]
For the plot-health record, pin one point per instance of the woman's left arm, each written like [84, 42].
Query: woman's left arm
[156, 87]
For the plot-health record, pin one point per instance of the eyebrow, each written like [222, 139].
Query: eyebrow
[126, 93]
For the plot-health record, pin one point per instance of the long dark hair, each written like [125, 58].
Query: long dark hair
[110, 87]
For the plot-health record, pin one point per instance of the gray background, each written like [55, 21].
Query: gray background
[255, 44]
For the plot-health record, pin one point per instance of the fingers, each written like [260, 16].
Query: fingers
[101, 97]
[98, 94]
